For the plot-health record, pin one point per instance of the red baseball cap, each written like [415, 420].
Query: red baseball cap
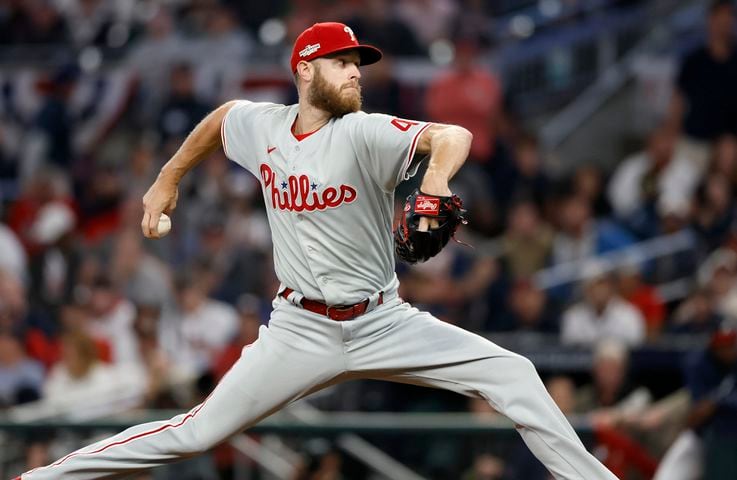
[329, 37]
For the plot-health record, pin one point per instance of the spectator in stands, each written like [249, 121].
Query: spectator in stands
[111, 320]
[633, 288]
[610, 398]
[468, 95]
[589, 182]
[14, 259]
[199, 328]
[230, 268]
[705, 102]
[253, 13]
[525, 177]
[430, 20]
[529, 310]
[101, 202]
[527, 242]
[83, 387]
[714, 211]
[43, 187]
[160, 371]
[473, 20]
[602, 314]
[249, 322]
[696, 314]
[579, 236]
[21, 378]
[711, 378]
[8, 161]
[447, 284]
[182, 109]
[33, 22]
[53, 269]
[718, 273]
[656, 179]
[151, 59]
[724, 159]
[49, 139]
[91, 21]
[221, 54]
[377, 25]
[486, 467]
[143, 277]
[474, 185]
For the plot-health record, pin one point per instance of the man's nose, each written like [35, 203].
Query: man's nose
[355, 72]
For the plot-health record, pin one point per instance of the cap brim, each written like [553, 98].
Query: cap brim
[367, 53]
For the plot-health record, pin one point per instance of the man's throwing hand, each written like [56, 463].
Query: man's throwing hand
[160, 198]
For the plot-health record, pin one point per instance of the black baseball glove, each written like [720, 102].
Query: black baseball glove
[413, 245]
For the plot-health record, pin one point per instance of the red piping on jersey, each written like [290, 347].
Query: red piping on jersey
[411, 153]
[222, 134]
[301, 136]
[134, 437]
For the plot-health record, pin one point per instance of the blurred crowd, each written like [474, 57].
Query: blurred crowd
[96, 320]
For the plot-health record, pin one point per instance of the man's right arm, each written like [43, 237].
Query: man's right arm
[162, 196]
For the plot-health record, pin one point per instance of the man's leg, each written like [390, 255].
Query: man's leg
[284, 364]
[403, 344]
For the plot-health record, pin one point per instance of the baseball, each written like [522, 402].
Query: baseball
[164, 225]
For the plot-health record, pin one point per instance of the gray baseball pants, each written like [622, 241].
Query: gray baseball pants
[301, 352]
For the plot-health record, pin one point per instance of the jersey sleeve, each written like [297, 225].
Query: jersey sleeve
[238, 133]
[387, 146]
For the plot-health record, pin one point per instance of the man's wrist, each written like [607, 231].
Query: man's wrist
[170, 174]
[433, 185]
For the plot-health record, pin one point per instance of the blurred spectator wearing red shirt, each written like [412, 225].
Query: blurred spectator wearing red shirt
[644, 297]
[470, 96]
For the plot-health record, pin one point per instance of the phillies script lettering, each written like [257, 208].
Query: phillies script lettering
[297, 195]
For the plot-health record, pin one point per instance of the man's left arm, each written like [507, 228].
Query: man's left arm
[448, 146]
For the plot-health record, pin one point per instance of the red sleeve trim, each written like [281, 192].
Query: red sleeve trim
[222, 132]
[412, 148]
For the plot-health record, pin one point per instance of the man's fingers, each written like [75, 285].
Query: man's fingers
[150, 224]
[144, 224]
[426, 223]
[153, 224]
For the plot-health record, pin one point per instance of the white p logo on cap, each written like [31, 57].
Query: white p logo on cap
[349, 31]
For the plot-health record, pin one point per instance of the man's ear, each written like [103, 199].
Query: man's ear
[305, 70]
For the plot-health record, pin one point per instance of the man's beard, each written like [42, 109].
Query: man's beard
[326, 97]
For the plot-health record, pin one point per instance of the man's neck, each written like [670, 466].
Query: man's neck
[309, 118]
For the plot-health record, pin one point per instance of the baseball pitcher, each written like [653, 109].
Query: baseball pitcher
[328, 172]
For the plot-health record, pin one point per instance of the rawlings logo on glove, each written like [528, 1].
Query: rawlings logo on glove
[413, 245]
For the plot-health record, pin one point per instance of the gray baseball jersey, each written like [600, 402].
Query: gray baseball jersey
[329, 200]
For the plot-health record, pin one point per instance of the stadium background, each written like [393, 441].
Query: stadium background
[602, 216]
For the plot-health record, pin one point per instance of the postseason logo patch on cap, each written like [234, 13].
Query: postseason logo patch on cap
[309, 50]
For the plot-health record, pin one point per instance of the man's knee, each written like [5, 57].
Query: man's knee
[520, 369]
